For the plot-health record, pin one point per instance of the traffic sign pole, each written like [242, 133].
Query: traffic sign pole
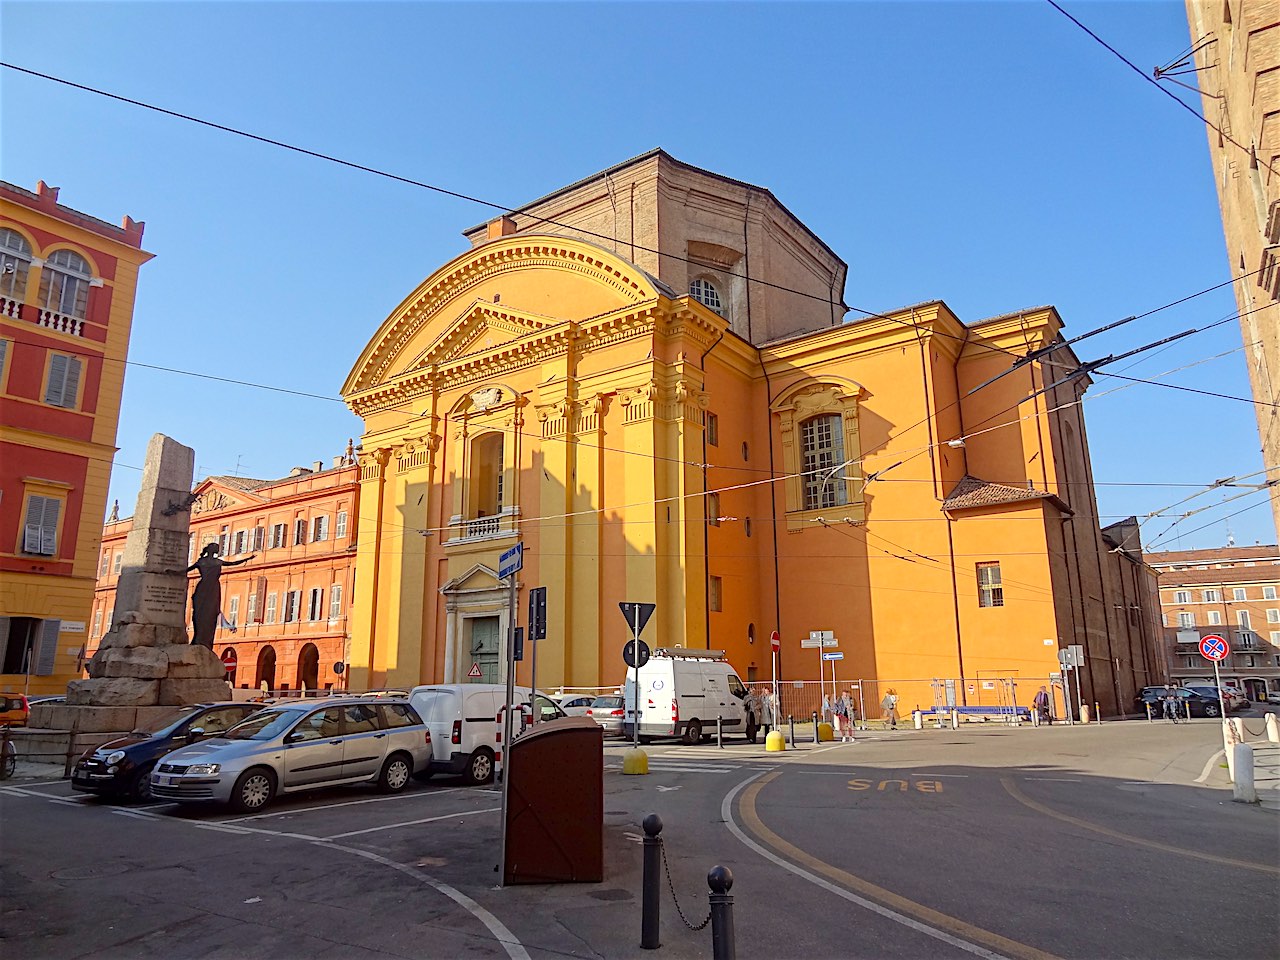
[509, 563]
[635, 686]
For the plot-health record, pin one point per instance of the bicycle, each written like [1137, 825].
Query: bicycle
[8, 754]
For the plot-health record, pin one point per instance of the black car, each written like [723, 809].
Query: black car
[122, 767]
[1198, 704]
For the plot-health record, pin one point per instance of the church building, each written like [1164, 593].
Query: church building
[649, 379]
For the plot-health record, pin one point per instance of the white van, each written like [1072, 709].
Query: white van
[682, 693]
[462, 718]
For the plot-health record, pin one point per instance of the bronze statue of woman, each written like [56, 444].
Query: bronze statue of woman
[206, 601]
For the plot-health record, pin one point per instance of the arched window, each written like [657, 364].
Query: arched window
[266, 669]
[64, 284]
[822, 461]
[309, 668]
[15, 261]
[705, 292]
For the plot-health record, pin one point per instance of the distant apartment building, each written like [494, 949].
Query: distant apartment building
[284, 612]
[67, 285]
[1230, 591]
[1236, 46]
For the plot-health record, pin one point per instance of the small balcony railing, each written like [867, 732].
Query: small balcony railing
[60, 322]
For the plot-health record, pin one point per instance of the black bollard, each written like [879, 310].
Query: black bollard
[651, 884]
[791, 722]
[720, 732]
[815, 726]
[720, 880]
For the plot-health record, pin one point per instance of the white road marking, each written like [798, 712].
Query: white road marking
[1209, 765]
[1052, 779]
[346, 803]
[412, 823]
[662, 789]
[726, 814]
[67, 801]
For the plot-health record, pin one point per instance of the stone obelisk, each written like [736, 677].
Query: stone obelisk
[145, 660]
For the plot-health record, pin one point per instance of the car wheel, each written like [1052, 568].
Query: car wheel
[140, 788]
[752, 730]
[253, 790]
[693, 732]
[395, 774]
[480, 766]
[1211, 710]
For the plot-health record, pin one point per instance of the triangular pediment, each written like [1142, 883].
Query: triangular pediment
[479, 577]
[220, 494]
[484, 326]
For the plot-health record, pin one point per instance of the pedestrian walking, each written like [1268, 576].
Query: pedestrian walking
[1169, 699]
[888, 709]
[768, 710]
[1041, 703]
[847, 713]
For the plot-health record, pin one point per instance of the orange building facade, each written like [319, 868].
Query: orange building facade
[671, 410]
[284, 623]
[67, 287]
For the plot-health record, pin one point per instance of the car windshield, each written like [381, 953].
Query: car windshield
[611, 703]
[167, 724]
[264, 725]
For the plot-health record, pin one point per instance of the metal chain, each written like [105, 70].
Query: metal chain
[666, 866]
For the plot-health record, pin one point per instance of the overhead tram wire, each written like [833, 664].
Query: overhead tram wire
[1205, 526]
[1155, 83]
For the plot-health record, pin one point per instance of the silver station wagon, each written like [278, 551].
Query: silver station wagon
[299, 746]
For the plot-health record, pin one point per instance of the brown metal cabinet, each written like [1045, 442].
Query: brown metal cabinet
[555, 809]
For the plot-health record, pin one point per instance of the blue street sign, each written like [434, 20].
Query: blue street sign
[511, 561]
[1213, 647]
[833, 656]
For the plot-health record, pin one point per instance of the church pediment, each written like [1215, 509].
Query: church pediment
[483, 327]
[479, 578]
[220, 494]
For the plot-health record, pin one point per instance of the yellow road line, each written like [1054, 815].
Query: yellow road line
[1017, 794]
[910, 913]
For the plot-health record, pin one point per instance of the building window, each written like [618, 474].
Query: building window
[1189, 662]
[224, 541]
[1268, 593]
[277, 535]
[40, 533]
[340, 530]
[486, 475]
[97, 622]
[299, 531]
[270, 616]
[1275, 636]
[1242, 618]
[1273, 615]
[315, 606]
[1182, 596]
[240, 541]
[705, 292]
[335, 601]
[1237, 593]
[1186, 619]
[990, 592]
[1164, 619]
[63, 387]
[822, 456]
[116, 563]
[1212, 596]
[713, 430]
[15, 261]
[319, 528]
[259, 537]
[1215, 618]
[251, 608]
[292, 601]
[105, 565]
[233, 614]
[716, 594]
[64, 284]
[713, 509]
[746, 526]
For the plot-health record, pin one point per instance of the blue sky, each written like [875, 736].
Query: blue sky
[987, 154]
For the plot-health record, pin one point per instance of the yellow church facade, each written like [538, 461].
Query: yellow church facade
[779, 471]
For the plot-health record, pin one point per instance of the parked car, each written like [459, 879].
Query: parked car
[1199, 704]
[122, 767]
[463, 719]
[574, 704]
[15, 709]
[299, 746]
[607, 711]
[1274, 697]
[1230, 697]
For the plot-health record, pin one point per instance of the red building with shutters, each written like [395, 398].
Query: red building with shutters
[67, 285]
[284, 610]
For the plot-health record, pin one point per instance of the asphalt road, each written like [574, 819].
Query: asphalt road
[1083, 842]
